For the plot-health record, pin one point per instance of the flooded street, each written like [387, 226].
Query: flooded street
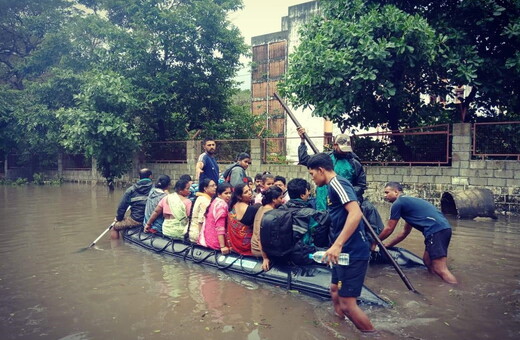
[48, 290]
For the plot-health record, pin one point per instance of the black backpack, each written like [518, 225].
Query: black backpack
[276, 232]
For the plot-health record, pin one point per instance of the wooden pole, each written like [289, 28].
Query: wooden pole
[296, 122]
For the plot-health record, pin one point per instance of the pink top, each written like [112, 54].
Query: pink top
[214, 224]
[166, 207]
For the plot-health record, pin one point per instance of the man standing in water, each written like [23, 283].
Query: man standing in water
[207, 166]
[348, 236]
[423, 216]
[134, 197]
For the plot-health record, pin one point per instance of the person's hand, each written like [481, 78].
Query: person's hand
[301, 132]
[265, 265]
[147, 228]
[373, 246]
[332, 255]
[225, 250]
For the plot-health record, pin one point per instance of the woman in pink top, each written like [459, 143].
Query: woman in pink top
[213, 232]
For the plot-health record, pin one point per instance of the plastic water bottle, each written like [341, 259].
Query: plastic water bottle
[343, 259]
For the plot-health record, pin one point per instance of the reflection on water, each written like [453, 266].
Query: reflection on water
[120, 291]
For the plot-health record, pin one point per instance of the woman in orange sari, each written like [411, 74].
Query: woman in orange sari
[240, 220]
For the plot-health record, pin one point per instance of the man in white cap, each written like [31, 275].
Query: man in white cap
[346, 164]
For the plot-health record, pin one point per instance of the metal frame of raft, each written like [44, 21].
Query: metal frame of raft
[310, 279]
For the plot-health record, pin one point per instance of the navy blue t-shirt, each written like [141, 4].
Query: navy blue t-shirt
[210, 168]
[420, 214]
[340, 193]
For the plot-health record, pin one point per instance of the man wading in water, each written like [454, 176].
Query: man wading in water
[423, 216]
[348, 236]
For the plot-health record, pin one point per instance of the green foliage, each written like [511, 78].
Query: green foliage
[20, 181]
[365, 63]
[239, 123]
[102, 126]
[108, 79]
[38, 178]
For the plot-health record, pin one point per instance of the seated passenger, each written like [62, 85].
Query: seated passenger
[267, 181]
[134, 197]
[154, 197]
[273, 198]
[280, 182]
[207, 190]
[213, 231]
[294, 226]
[240, 220]
[175, 208]
[193, 187]
[315, 224]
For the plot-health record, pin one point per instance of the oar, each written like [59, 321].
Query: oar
[99, 237]
[383, 248]
[369, 227]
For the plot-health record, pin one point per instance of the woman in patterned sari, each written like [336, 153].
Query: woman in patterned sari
[240, 220]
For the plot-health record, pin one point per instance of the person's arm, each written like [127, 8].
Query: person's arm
[265, 259]
[360, 182]
[350, 226]
[303, 156]
[123, 206]
[401, 236]
[388, 229]
[156, 213]
[199, 166]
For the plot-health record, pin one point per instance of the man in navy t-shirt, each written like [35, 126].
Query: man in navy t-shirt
[423, 216]
[348, 237]
[207, 166]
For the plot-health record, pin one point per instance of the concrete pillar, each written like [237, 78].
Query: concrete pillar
[6, 166]
[60, 165]
[461, 151]
[94, 173]
[256, 151]
[193, 151]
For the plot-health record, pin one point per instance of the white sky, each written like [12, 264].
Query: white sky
[259, 17]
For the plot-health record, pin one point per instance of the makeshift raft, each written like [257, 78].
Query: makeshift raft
[311, 279]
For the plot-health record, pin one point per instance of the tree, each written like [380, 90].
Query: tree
[28, 29]
[180, 56]
[240, 123]
[102, 125]
[365, 63]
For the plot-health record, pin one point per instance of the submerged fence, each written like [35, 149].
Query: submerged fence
[496, 140]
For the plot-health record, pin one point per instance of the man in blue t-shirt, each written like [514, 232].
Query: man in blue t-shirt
[348, 236]
[423, 216]
[207, 166]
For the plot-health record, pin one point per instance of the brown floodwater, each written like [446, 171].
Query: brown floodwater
[120, 291]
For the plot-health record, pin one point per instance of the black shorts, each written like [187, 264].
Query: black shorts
[350, 278]
[437, 244]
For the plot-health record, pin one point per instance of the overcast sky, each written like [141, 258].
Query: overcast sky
[256, 18]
